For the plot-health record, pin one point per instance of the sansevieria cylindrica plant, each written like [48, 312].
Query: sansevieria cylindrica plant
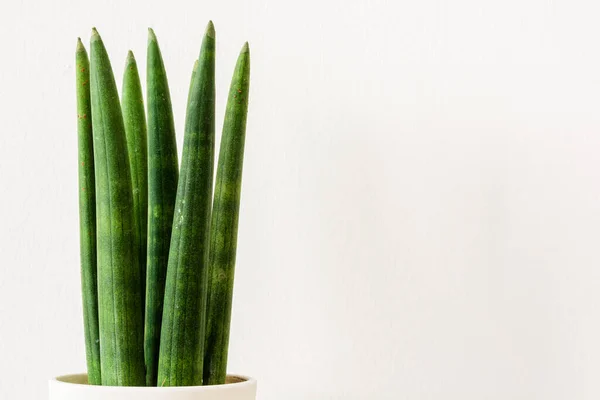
[157, 248]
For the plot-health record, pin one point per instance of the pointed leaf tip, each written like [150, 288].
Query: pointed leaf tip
[95, 34]
[130, 57]
[245, 48]
[151, 35]
[210, 30]
[80, 46]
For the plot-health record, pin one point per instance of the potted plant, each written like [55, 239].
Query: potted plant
[157, 248]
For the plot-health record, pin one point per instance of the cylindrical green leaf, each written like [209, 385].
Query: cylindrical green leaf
[224, 225]
[137, 148]
[119, 283]
[163, 173]
[87, 215]
[181, 346]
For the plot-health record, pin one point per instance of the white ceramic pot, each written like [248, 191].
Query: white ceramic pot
[75, 387]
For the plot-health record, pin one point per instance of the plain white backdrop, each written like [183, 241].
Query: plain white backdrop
[420, 210]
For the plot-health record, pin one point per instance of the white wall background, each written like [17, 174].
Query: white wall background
[421, 201]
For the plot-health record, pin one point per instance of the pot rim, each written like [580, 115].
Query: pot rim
[74, 380]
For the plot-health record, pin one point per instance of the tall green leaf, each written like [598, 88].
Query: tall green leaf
[119, 283]
[163, 175]
[87, 215]
[224, 225]
[181, 346]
